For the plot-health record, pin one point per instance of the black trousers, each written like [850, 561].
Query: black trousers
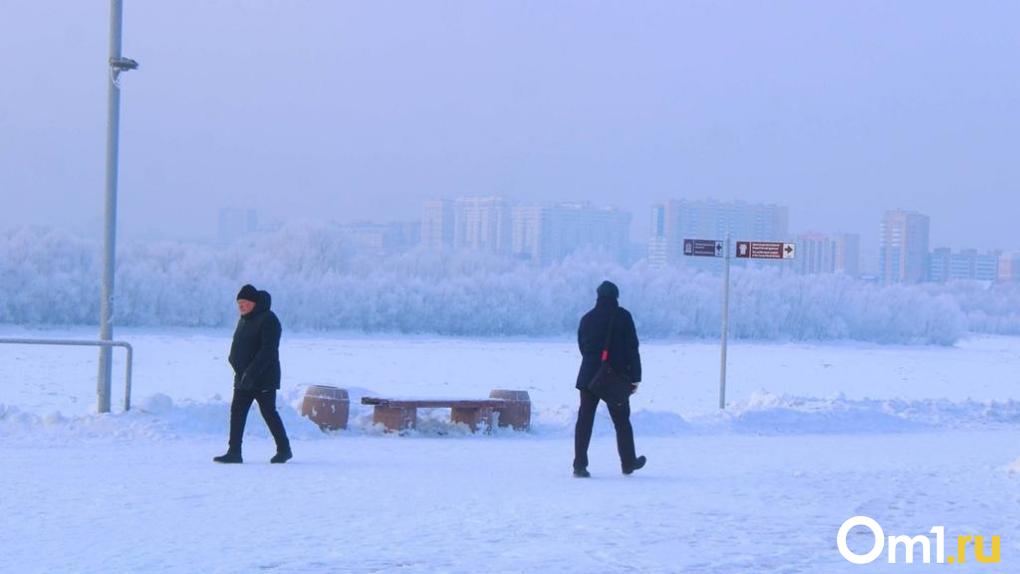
[586, 421]
[267, 406]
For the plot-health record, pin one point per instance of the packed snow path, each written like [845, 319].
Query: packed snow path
[711, 504]
[914, 437]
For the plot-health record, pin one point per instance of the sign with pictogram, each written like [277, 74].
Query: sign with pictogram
[765, 250]
[703, 247]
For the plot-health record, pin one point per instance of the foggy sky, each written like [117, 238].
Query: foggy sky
[342, 110]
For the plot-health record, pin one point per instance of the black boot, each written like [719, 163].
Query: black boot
[282, 456]
[233, 455]
[581, 473]
[639, 463]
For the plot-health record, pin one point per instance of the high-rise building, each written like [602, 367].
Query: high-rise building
[526, 234]
[816, 253]
[539, 233]
[545, 234]
[986, 266]
[482, 224]
[1009, 266]
[234, 223]
[679, 219]
[657, 242]
[383, 238]
[437, 225]
[848, 254]
[573, 227]
[946, 265]
[903, 249]
[824, 253]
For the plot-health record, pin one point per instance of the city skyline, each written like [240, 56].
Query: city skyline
[546, 232]
[870, 234]
[207, 229]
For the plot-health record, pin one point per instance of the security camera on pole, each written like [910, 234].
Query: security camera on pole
[118, 64]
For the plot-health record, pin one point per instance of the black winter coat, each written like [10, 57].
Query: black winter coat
[591, 339]
[255, 352]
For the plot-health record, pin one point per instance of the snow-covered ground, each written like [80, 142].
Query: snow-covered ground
[815, 434]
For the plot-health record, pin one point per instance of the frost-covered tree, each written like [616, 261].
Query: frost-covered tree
[318, 282]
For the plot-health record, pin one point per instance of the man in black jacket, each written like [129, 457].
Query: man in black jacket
[624, 358]
[255, 357]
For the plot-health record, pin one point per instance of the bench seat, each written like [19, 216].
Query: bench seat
[402, 414]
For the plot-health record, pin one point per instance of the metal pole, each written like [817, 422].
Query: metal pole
[725, 323]
[110, 235]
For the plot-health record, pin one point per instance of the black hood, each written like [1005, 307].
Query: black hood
[264, 304]
[607, 302]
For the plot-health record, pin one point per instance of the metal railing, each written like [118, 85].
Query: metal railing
[84, 343]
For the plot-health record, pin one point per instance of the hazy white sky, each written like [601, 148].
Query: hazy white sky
[343, 110]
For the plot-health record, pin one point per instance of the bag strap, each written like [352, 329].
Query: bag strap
[609, 336]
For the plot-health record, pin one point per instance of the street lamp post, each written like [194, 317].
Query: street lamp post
[118, 64]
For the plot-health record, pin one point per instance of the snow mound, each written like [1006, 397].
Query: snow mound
[158, 417]
[155, 417]
[766, 413]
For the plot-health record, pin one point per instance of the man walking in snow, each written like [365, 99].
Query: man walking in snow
[255, 357]
[607, 321]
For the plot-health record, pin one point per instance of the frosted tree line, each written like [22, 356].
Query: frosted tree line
[49, 277]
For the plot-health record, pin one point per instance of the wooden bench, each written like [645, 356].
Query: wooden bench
[513, 408]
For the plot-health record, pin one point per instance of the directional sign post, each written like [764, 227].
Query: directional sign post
[716, 248]
[725, 324]
[745, 250]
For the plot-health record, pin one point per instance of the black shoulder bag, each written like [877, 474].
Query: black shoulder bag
[609, 384]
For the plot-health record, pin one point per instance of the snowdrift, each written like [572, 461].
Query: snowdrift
[159, 418]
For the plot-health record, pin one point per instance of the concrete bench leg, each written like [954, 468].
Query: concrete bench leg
[517, 412]
[328, 407]
[472, 417]
[395, 418]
